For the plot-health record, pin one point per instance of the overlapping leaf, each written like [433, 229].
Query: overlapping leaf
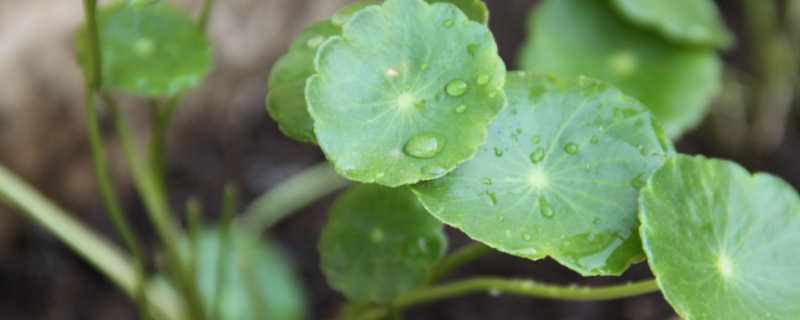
[723, 244]
[560, 175]
[151, 51]
[586, 37]
[379, 243]
[694, 22]
[276, 283]
[406, 93]
[287, 81]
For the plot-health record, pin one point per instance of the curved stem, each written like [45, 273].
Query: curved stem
[517, 287]
[293, 194]
[95, 75]
[457, 259]
[205, 14]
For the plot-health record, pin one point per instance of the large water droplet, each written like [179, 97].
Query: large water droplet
[492, 198]
[537, 155]
[460, 109]
[526, 236]
[456, 88]
[547, 210]
[536, 139]
[424, 145]
[498, 152]
[640, 181]
[483, 79]
[571, 148]
[432, 170]
[448, 23]
[486, 181]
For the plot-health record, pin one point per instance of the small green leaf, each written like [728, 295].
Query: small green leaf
[286, 101]
[138, 3]
[474, 9]
[723, 244]
[380, 242]
[151, 51]
[694, 22]
[586, 37]
[406, 93]
[280, 288]
[559, 175]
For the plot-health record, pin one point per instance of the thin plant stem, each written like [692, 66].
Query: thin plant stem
[157, 155]
[226, 223]
[247, 267]
[205, 14]
[155, 201]
[95, 75]
[457, 259]
[496, 286]
[299, 191]
[194, 220]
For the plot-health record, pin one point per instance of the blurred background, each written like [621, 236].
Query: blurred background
[223, 133]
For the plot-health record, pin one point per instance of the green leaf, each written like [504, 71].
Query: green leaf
[693, 22]
[380, 242]
[280, 287]
[138, 3]
[151, 51]
[474, 9]
[722, 243]
[286, 102]
[406, 93]
[559, 176]
[585, 37]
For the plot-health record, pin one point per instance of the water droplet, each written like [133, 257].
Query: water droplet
[538, 229]
[639, 123]
[391, 72]
[448, 23]
[547, 210]
[512, 100]
[473, 49]
[514, 137]
[466, 22]
[571, 148]
[526, 236]
[424, 66]
[483, 79]
[379, 175]
[537, 155]
[595, 139]
[500, 218]
[486, 181]
[625, 220]
[640, 181]
[432, 170]
[515, 111]
[315, 41]
[377, 235]
[438, 96]
[424, 145]
[598, 221]
[492, 94]
[487, 34]
[498, 152]
[146, 46]
[460, 109]
[519, 130]
[407, 86]
[536, 139]
[492, 198]
[457, 88]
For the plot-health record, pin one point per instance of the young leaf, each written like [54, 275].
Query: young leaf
[380, 242]
[138, 3]
[280, 288]
[151, 51]
[722, 243]
[585, 37]
[406, 93]
[286, 102]
[694, 22]
[559, 175]
[474, 9]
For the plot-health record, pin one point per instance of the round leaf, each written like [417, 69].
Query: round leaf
[474, 9]
[279, 287]
[380, 242]
[694, 22]
[586, 37]
[559, 175]
[722, 243]
[406, 93]
[151, 51]
[286, 102]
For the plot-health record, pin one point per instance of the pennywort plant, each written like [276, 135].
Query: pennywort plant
[570, 158]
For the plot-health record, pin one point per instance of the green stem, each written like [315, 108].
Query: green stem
[205, 14]
[226, 223]
[155, 201]
[457, 259]
[158, 132]
[291, 195]
[195, 225]
[516, 287]
[94, 248]
[95, 62]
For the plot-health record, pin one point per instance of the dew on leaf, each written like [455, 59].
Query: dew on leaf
[473, 49]
[536, 139]
[595, 139]
[538, 229]
[424, 145]
[407, 86]
[466, 22]
[547, 210]
[537, 155]
[515, 111]
[486, 181]
[598, 221]
[492, 198]
[448, 23]
[457, 88]
[483, 79]
[500, 218]
[514, 137]
[519, 130]
[460, 109]
[146, 46]
[512, 100]
[315, 41]
[424, 66]
[391, 72]
[526, 236]
[571, 148]
[640, 181]
[498, 152]
[432, 170]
